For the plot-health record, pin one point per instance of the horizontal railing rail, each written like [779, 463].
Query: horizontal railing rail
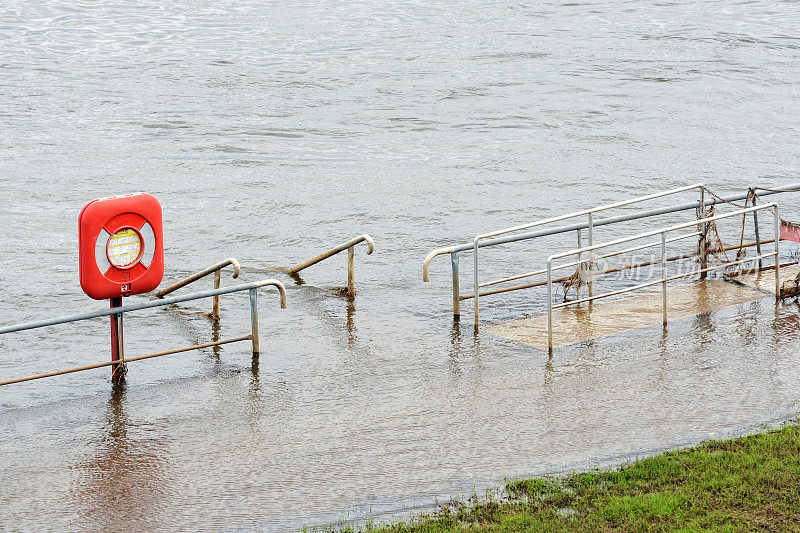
[215, 269]
[662, 232]
[349, 246]
[147, 305]
[125, 360]
[252, 288]
[613, 270]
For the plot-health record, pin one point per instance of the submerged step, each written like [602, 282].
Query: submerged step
[765, 280]
[603, 318]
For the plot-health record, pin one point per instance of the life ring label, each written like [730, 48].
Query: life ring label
[124, 248]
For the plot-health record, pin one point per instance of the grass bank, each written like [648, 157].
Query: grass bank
[744, 484]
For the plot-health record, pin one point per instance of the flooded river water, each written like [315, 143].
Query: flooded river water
[271, 131]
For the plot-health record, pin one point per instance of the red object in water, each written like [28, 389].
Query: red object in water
[790, 232]
[121, 249]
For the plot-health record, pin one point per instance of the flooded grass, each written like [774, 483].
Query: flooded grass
[749, 483]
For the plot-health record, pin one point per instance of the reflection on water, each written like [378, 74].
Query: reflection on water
[215, 329]
[352, 331]
[254, 387]
[125, 483]
[272, 130]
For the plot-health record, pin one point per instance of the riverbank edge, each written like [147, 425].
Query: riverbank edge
[744, 483]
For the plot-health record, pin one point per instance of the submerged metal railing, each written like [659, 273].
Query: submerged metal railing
[252, 288]
[482, 240]
[589, 213]
[203, 273]
[665, 278]
[503, 237]
[349, 246]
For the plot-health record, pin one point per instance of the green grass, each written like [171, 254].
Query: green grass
[745, 484]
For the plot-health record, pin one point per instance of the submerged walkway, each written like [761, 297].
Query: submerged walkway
[572, 325]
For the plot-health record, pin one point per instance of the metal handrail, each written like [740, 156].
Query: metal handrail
[426, 264]
[203, 273]
[665, 278]
[592, 210]
[576, 263]
[252, 288]
[126, 360]
[628, 250]
[349, 246]
[454, 251]
[147, 305]
[586, 212]
[615, 269]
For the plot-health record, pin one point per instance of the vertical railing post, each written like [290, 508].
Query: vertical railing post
[254, 320]
[757, 230]
[456, 288]
[777, 254]
[215, 308]
[580, 264]
[351, 271]
[117, 345]
[477, 288]
[591, 264]
[664, 276]
[550, 305]
[703, 234]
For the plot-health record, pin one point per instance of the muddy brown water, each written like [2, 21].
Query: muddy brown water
[272, 131]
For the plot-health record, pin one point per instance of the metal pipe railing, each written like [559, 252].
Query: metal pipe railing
[349, 246]
[119, 311]
[592, 210]
[454, 251]
[126, 360]
[590, 226]
[628, 250]
[665, 278]
[620, 269]
[203, 273]
[147, 305]
[594, 258]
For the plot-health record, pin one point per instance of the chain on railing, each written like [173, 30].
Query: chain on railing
[665, 278]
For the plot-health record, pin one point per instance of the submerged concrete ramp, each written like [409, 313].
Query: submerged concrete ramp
[765, 280]
[575, 324]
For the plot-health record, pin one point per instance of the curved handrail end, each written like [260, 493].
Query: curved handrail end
[427, 263]
[278, 285]
[236, 267]
[370, 243]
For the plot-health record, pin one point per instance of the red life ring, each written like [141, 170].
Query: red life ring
[121, 246]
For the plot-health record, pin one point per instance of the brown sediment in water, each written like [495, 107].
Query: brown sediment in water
[584, 322]
[765, 280]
